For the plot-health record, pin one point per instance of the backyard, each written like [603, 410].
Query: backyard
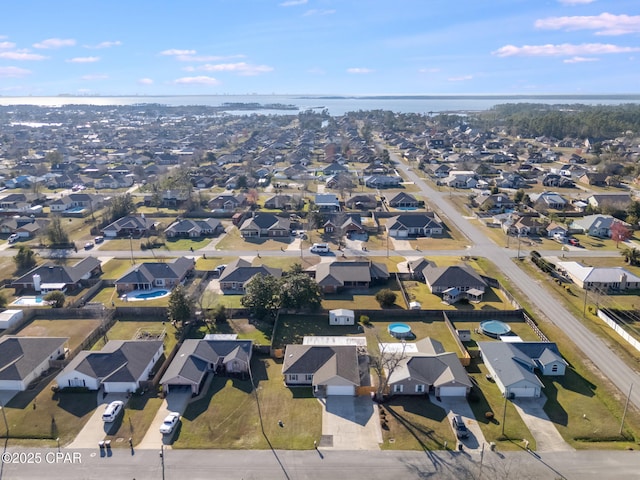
[76, 329]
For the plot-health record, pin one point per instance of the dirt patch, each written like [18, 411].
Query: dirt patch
[242, 325]
[33, 331]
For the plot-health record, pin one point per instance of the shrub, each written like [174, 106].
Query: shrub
[488, 415]
[386, 297]
[364, 320]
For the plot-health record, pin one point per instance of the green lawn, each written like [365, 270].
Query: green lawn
[414, 423]
[291, 329]
[285, 263]
[126, 329]
[138, 415]
[117, 267]
[258, 331]
[109, 297]
[418, 291]
[228, 416]
[234, 241]
[363, 300]
[186, 243]
[211, 262]
[76, 329]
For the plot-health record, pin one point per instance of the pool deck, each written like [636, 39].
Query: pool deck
[133, 296]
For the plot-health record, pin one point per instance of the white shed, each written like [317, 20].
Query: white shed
[342, 316]
[9, 318]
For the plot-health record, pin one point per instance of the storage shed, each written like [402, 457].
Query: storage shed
[342, 316]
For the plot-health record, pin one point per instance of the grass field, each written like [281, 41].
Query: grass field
[117, 267]
[76, 329]
[126, 330]
[228, 416]
[364, 300]
[234, 241]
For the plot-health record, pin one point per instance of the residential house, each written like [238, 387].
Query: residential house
[524, 225]
[284, 202]
[496, 202]
[455, 282]
[382, 181]
[594, 225]
[594, 179]
[194, 228]
[238, 273]
[549, 200]
[77, 202]
[130, 226]
[24, 227]
[404, 200]
[25, 359]
[329, 370]
[114, 181]
[555, 230]
[512, 366]
[196, 359]
[119, 366]
[460, 179]
[265, 225]
[613, 201]
[362, 202]
[425, 368]
[327, 202]
[150, 275]
[426, 224]
[600, 278]
[336, 276]
[66, 278]
[344, 223]
[227, 202]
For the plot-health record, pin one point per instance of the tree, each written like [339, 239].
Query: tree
[55, 232]
[25, 258]
[262, 295]
[55, 299]
[180, 305]
[121, 206]
[386, 297]
[631, 255]
[620, 232]
[299, 290]
[3, 301]
[384, 363]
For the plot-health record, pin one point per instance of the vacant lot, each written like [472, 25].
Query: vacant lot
[76, 329]
[228, 415]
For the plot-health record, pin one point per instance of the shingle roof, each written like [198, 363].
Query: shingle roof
[19, 356]
[323, 362]
[149, 271]
[341, 272]
[52, 273]
[454, 276]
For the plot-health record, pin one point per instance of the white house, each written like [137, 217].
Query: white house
[119, 367]
[24, 359]
[342, 316]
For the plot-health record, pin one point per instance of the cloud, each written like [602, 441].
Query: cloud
[7, 45]
[95, 76]
[51, 43]
[576, 2]
[83, 60]
[461, 78]
[107, 44]
[145, 81]
[201, 80]
[293, 3]
[172, 52]
[604, 24]
[317, 71]
[317, 13]
[13, 72]
[22, 55]
[241, 68]
[428, 70]
[580, 60]
[563, 50]
[359, 71]
[206, 58]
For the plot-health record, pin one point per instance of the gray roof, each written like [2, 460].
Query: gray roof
[187, 225]
[454, 276]
[509, 363]
[149, 271]
[262, 221]
[52, 273]
[324, 362]
[413, 220]
[337, 273]
[241, 270]
[118, 361]
[19, 356]
[437, 370]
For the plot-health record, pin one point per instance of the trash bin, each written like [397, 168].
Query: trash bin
[492, 446]
[460, 446]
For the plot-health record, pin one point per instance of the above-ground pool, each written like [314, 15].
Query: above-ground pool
[400, 330]
[146, 294]
[494, 328]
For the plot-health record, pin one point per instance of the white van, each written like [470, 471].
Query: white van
[320, 248]
[112, 411]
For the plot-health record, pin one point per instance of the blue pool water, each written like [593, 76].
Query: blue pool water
[494, 328]
[407, 209]
[26, 301]
[148, 295]
[399, 330]
[75, 210]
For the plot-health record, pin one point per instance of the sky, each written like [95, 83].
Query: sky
[320, 47]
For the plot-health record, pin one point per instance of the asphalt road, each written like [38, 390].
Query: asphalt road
[593, 348]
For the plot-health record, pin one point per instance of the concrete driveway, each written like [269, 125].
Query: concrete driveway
[350, 423]
[95, 429]
[175, 402]
[460, 406]
[547, 437]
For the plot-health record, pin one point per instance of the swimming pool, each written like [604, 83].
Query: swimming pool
[147, 294]
[75, 210]
[494, 328]
[29, 301]
[400, 330]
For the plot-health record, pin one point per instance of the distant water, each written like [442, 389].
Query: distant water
[336, 105]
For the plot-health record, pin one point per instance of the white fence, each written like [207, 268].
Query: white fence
[619, 330]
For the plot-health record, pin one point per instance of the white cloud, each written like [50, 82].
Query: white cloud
[172, 52]
[563, 50]
[84, 60]
[13, 72]
[576, 2]
[145, 81]
[580, 60]
[55, 43]
[201, 80]
[317, 71]
[241, 68]
[604, 24]
[6, 45]
[107, 44]
[293, 3]
[206, 58]
[359, 71]
[428, 70]
[461, 78]
[315, 12]
[95, 76]
[21, 55]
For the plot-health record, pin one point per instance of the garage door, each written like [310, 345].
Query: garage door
[453, 391]
[521, 392]
[341, 390]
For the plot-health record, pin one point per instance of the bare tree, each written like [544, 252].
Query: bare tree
[384, 363]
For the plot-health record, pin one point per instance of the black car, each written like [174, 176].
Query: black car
[460, 427]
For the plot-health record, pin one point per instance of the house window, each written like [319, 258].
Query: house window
[308, 377]
[554, 368]
[397, 389]
[419, 388]
[293, 378]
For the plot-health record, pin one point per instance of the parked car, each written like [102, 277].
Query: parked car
[98, 240]
[88, 245]
[219, 269]
[112, 411]
[460, 427]
[320, 248]
[574, 241]
[13, 238]
[169, 423]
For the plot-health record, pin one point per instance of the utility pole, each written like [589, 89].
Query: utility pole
[4, 417]
[504, 413]
[624, 414]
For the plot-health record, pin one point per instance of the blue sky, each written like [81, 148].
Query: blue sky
[354, 47]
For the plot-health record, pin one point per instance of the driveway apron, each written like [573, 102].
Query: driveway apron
[175, 402]
[350, 423]
[547, 437]
[95, 429]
